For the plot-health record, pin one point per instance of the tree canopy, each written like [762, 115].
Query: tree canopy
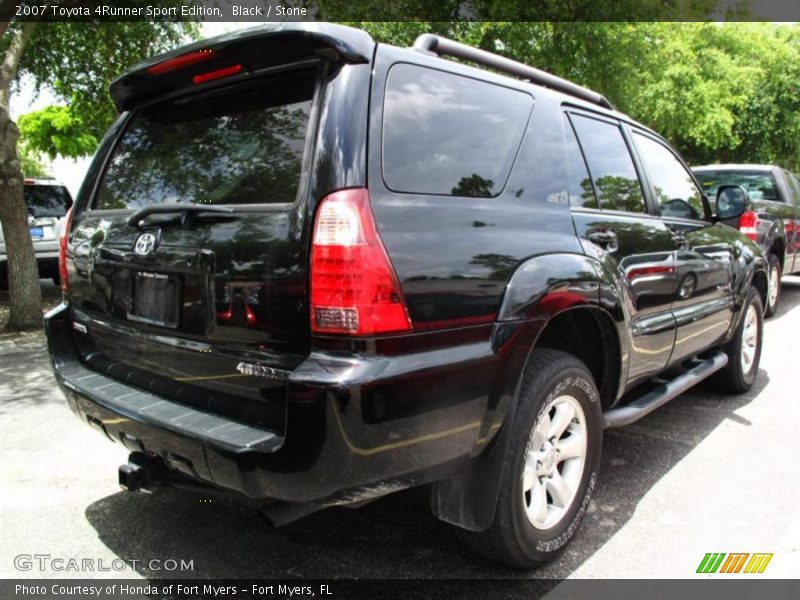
[78, 61]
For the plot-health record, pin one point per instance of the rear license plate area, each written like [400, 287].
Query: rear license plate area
[37, 233]
[155, 299]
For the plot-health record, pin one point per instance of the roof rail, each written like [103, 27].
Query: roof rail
[434, 44]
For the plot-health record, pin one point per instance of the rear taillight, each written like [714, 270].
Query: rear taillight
[354, 289]
[748, 224]
[62, 252]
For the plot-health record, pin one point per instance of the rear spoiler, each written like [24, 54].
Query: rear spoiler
[250, 50]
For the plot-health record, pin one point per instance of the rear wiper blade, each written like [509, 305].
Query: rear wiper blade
[139, 215]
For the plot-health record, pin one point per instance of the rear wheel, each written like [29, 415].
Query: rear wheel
[744, 349]
[551, 464]
[774, 291]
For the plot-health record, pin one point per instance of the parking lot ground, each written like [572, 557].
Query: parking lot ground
[705, 473]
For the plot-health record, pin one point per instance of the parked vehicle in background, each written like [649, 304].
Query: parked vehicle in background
[314, 270]
[47, 201]
[772, 218]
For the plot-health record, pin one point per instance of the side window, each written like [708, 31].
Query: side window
[794, 186]
[450, 135]
[580, 189]
[612, 171]
[676, 192]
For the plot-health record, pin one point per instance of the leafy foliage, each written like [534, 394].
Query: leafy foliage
[30, 161]
[57, 130]
[78, 61]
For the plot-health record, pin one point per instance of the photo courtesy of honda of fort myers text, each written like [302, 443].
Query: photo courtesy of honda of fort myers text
[348, 300]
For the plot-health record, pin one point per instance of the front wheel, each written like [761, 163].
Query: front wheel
[551, 464]
[774, 291]
[744, 349]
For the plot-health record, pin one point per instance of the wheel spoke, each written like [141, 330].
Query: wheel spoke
[561, 420]
[559, 490]
[529, 478]
[537, 508]
[570, 447]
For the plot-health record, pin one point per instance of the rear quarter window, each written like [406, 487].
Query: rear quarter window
[237, 145]
[450, 135]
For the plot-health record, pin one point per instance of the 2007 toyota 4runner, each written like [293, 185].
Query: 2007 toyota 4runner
[312, 269]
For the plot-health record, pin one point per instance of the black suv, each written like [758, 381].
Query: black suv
[772, 217]
[313, 270]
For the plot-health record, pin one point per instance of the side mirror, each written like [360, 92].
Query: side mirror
[731, 202]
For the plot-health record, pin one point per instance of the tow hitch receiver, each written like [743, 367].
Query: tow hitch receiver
[142, 473]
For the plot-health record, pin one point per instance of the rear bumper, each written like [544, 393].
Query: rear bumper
[337, 447]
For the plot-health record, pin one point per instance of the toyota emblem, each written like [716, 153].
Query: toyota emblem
[145, 244]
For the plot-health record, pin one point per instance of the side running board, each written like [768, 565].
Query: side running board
[632, 412]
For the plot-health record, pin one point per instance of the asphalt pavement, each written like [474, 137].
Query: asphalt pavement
[705, 473]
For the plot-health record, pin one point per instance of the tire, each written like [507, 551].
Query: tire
[559, 382]
[740, 373]
[774, 291]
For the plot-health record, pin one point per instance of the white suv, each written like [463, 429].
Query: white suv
[48, 202]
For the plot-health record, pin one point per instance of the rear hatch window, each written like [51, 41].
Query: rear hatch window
[240, 145]
[47, 200]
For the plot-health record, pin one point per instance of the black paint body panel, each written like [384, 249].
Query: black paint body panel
[481, 276]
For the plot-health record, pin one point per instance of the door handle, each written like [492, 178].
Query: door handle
[605, 239]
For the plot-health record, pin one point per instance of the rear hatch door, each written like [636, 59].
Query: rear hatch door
[190, 265]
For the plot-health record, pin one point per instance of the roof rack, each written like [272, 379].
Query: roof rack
[440, 46]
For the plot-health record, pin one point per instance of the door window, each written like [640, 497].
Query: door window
[676, 192]
[579, 182]
[613, 173]
[794, 187]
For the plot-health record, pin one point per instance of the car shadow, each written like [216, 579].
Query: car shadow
[397, 537]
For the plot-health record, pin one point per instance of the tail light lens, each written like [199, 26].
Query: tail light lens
[354, 289]
[62, 252]
[748, 224]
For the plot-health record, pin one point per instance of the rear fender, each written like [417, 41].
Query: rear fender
[539, 290]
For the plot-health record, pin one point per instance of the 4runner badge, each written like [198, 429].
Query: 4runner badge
[144, 244]
[262, 371]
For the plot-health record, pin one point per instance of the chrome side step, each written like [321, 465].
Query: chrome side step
[632, 412]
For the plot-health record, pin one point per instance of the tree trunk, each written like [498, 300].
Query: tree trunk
[25, 295]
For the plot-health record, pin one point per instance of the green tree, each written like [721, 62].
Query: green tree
[30, 161]
[77, 61]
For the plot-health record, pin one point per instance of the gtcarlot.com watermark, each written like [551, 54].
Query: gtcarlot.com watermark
[48, 562]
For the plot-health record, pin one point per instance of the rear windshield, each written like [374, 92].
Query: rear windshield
[760, 185]
[47, 200]
[237, 145]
